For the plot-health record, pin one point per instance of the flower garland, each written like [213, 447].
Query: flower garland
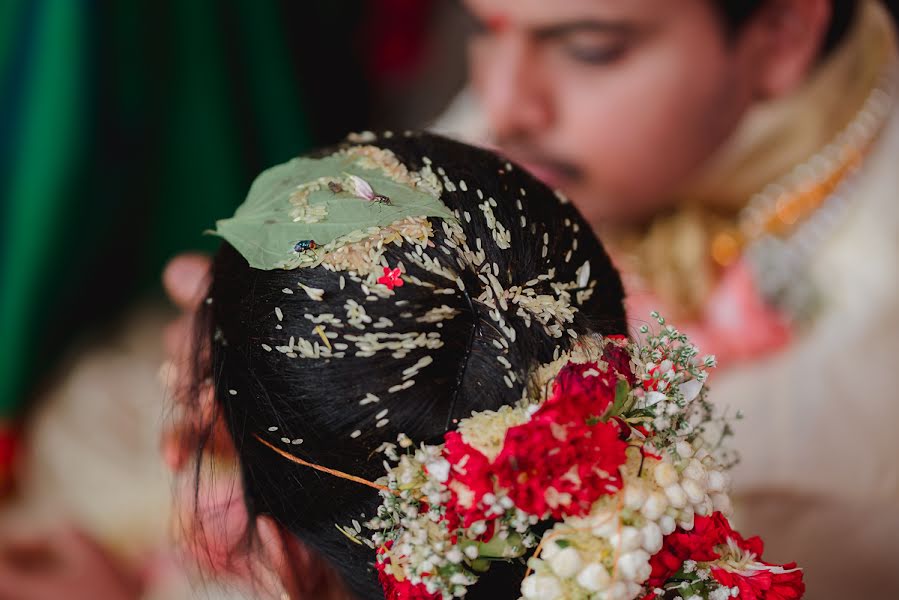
[615, 459]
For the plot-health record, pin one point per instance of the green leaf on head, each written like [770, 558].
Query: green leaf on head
[263, 228]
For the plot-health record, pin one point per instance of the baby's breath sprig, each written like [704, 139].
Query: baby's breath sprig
[673, 397]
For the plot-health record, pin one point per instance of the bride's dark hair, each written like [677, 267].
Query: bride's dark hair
[322, 402]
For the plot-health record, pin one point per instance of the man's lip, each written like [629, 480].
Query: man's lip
[550, 176]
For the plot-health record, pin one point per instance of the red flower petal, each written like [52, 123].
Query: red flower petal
[700, 544]
[400, 590]
[615, 352]
[764, 584]
[560, 469]
[471, 476]
[580, 394]
[391, 278]
[697, 544]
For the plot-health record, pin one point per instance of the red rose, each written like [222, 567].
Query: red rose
[578, 395]
[782, 583]
[400, 590]
[615, 352]
[560, 468]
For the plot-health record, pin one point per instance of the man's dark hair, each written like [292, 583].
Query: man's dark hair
[736, 13]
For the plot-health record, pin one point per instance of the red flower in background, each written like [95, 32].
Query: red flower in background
[8, 446]
[394, 39]
[400, 590]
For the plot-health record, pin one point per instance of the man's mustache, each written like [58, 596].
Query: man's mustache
[530, 155]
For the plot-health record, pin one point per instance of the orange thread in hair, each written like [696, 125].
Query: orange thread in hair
[384, 488]
[333, 472]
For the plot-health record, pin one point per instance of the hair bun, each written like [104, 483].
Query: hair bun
[331, 367]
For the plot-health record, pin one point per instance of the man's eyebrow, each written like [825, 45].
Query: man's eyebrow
[557, 30]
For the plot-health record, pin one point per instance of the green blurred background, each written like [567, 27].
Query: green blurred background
[128, 127]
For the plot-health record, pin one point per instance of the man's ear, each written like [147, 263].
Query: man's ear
[785, 40]
[293, 563]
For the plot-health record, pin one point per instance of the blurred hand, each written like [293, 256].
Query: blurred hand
[185, 280]
[214, 517]
[66, 564]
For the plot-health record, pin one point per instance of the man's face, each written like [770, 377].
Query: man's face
[615, 102]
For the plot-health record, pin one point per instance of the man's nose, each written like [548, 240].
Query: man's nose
[512, 92]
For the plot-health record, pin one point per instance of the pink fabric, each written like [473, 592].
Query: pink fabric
[736, 324]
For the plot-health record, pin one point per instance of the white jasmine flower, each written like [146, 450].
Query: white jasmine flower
[593, 577]
[695, 492]
[704, 508]
[635, 495]
[655, 506]
[617, 591]
[721, 503]
[652, 537]
[676, 495]
[541, 587]
[684, 449]
[665, 474]
[632, 565]
[606, 525]
[697, 472]
[628, 539]
[566, 562]
[667, 524]
[718, 481]
[687, 519]
[550, 550]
